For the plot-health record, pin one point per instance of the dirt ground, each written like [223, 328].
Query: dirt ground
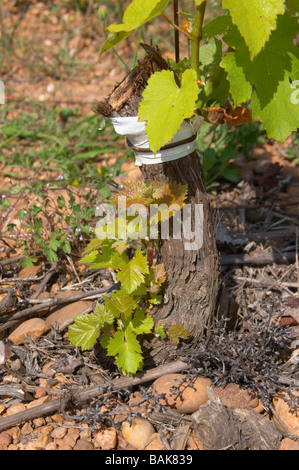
[51, 56]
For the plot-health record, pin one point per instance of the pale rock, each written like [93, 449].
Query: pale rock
[29, 272]
[34, 328]
[139, 433]
[70, 439]
[83, 444]
[42, 441]
[26, 429]
[12, 447]
[58, 433]
[286, 414]
[60, 315]
[51, 446]
[5, 439]
[15, 408]
[289, 444]
[39, 401]
[190, 398]
[233, 395]
[106, 439]
[155, 444]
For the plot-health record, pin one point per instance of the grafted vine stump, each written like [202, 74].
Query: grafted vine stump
[193, 277]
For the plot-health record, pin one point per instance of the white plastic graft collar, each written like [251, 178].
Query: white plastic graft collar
[136, 137]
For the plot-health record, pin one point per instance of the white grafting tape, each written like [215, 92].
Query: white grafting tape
[135, 133]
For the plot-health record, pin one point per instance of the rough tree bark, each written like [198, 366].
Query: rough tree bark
[193, 277]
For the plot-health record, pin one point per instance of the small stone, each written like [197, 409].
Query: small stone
[139, 433]
[34, 328]
[5, 439]
[106, 439]
[155, 444]
[58, 433]
[83, 444]
[14, 432]
[46, 429]
[261, 166]
[233, 395]
[38, 422]
[86, 434]
[26, 429]
[58, 418]
[60, 315]
[15, 408]
[29, 272]
[64, 447]
[70, 439]
[12, 447]
[190, 398]
[289, 444]
[287, 416]
[51, 446]
[42, 441]
[39, 401]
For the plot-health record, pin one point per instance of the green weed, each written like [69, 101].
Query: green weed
[218, 147]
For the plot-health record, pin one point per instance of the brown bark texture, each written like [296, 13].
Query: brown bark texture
[193, 276]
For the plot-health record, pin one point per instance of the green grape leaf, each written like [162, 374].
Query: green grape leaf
[135, 192]
[271, 74]
[175, 332]
[293, 5]
[94, 244]
[216, 86]
[109, 257]
[85, 329]
[124, 346]
[237, 70]
[165, 106]
[103, 314]
[255, 19]
[28, 262]
[156, 278]
[137, 14]
[216, 27]
[120, 303]
[132, 275]
[155, 299]
[159, 331]
[141, 323]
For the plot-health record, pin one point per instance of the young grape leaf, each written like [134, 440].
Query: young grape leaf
[84, 331]
[137, 14]
[120, 303]
[94, 244]
[255, 19]
[175, 332]
[110, 257]
[159, 331]
[165, 106]
[135, 192]
[141, 323]
[124, 346]
[103, 314]
[132, 275]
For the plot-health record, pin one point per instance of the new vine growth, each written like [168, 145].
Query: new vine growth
[240, 65]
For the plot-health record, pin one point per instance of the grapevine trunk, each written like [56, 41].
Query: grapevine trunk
[193, 284]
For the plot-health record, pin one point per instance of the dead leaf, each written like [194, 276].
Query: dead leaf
[228, 115]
